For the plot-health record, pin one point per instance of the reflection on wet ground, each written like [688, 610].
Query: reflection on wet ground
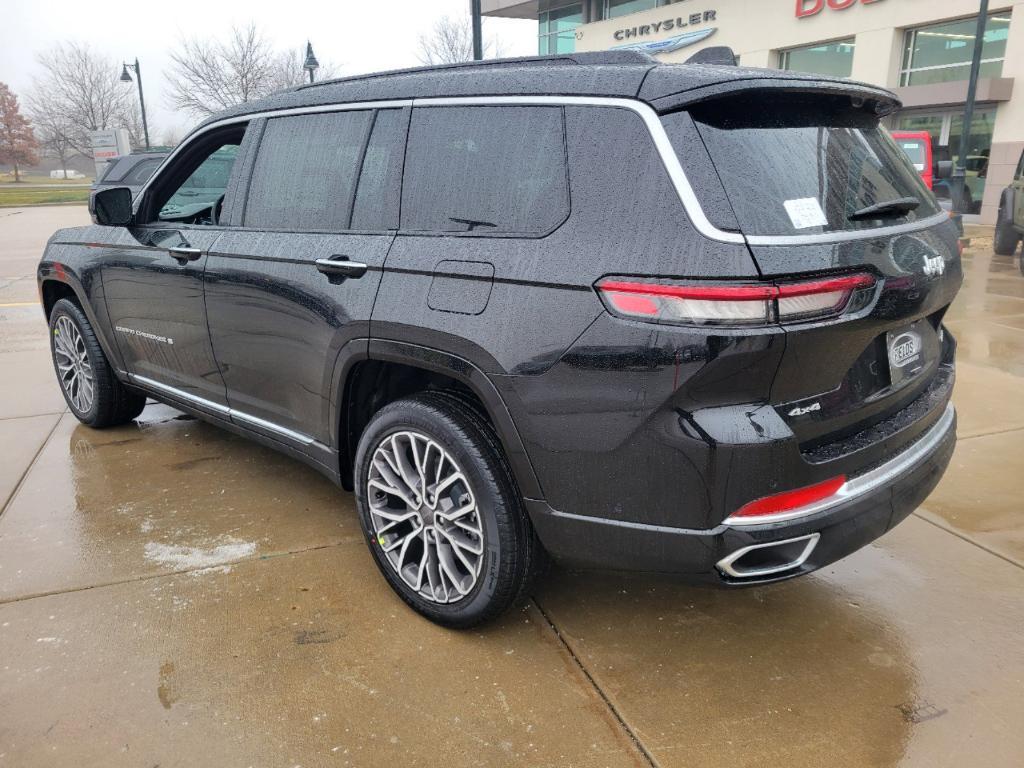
[171, 594]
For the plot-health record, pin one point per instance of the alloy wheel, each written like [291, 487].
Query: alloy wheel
[73, 366]
[425, 517]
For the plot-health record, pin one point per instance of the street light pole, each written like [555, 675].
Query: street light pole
[311, 65]
[960, 171]
[478, 45]
[126, 78]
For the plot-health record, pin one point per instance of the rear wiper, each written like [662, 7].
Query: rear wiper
[472, 224]
[887, 210]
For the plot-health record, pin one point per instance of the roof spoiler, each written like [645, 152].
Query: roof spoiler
[716, 54]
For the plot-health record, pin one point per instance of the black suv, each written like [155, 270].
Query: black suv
[1010, 219]
[672, 318]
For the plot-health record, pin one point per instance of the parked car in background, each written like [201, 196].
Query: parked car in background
[918, 146]
[131, 171]
[1010, 218]
[630, 314]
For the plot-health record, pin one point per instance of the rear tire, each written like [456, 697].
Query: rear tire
[1005, 241]
[93, 393]
[457, 574]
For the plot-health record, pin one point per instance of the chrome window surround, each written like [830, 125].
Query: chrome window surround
[727, 564]
[223, 410]
[862, 484]
[684, 189]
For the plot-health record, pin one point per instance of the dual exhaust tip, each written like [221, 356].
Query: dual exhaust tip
[758, 561]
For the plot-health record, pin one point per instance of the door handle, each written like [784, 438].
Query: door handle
[184, 255]
[340, 266]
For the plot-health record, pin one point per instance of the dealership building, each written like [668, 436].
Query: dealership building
[921, 49]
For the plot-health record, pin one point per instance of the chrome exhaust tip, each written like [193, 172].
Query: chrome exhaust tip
[768, 559]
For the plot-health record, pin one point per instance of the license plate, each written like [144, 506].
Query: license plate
[906, 350]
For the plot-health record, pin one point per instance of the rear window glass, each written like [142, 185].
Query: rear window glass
[486, 170]
[141, 172]
[799, 165]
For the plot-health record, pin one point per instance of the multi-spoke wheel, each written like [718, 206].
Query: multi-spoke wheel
[440, 511]
[86, 379]
[73, 367]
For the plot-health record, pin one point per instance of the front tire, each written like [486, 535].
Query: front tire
[440, 511]
[90, 388]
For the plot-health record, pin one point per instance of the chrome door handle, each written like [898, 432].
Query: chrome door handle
[340, 266]
[185, 255]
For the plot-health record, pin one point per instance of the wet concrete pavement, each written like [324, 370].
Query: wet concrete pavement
[171, 594]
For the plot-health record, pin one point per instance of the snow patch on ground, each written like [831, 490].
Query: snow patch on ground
[179, 556]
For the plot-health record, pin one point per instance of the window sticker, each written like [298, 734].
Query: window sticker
[805, 212]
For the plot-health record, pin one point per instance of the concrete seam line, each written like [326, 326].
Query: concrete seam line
[969, 540]
[166, 574]
[35, 458]
[600, 692]
[989, 434]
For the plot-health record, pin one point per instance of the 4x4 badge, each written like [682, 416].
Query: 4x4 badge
[801, 410]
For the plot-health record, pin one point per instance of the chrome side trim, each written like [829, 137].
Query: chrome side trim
[209, 405]
[727, 564]
[222, 410]
[866, 483]
[692, 205]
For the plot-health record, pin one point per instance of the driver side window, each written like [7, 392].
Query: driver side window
[191, 189]
[204, 187]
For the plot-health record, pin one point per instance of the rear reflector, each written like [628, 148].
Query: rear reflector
[730, 304]
[789, 500]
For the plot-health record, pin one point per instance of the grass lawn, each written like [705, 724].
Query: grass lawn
[12, 195]
[8, 178]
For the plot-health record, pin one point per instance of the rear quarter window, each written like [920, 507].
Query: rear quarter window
[486, 170]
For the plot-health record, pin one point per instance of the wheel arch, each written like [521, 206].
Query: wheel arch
[58, 282]
[409, 368]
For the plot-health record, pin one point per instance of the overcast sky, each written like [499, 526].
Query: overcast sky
[356, 35]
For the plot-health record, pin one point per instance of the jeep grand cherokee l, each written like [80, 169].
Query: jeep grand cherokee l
[671, 318]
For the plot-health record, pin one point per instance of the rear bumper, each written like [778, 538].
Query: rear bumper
[886, 495]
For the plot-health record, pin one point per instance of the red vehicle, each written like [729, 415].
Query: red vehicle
[918, 146]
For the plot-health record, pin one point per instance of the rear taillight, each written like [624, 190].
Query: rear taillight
[781, 503]
[731, 304]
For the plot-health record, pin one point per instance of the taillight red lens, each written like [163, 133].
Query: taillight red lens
[726, 304]
[790, 500]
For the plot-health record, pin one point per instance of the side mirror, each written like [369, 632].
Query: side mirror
[112, 207]
[944, 169]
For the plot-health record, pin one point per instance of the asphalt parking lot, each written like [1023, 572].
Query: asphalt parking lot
[173, 595]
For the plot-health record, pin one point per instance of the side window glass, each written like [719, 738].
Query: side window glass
[141, 172]
[305, 172]
[197, 199]
[485, 169]
[376, 203]
[1020, 168]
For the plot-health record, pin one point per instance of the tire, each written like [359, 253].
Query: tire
[448, 584]
[1004, 243]
[93, 393]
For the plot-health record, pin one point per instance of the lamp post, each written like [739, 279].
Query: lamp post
[311, 65]
[478, 43]
[960, 170]
[127, 78]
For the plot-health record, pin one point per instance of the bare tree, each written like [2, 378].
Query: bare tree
[83, 86]
[18, 144]
[451, 41]
[54, 130]
[287, 70]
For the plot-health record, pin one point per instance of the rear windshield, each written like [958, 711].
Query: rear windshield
[800, 165]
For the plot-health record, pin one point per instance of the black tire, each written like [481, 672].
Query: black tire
[512, 555]
[111, 402]
[1004, 243]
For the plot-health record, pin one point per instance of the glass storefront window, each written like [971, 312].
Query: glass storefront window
[834, 59]
[615, 8]
[941, 53]
[557, 29]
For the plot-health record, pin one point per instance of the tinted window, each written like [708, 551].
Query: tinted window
[799, 165]
[141, 172]
[115, 169]
[305, 172]
[376, 204]
[485, 169]
[1020, 167]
